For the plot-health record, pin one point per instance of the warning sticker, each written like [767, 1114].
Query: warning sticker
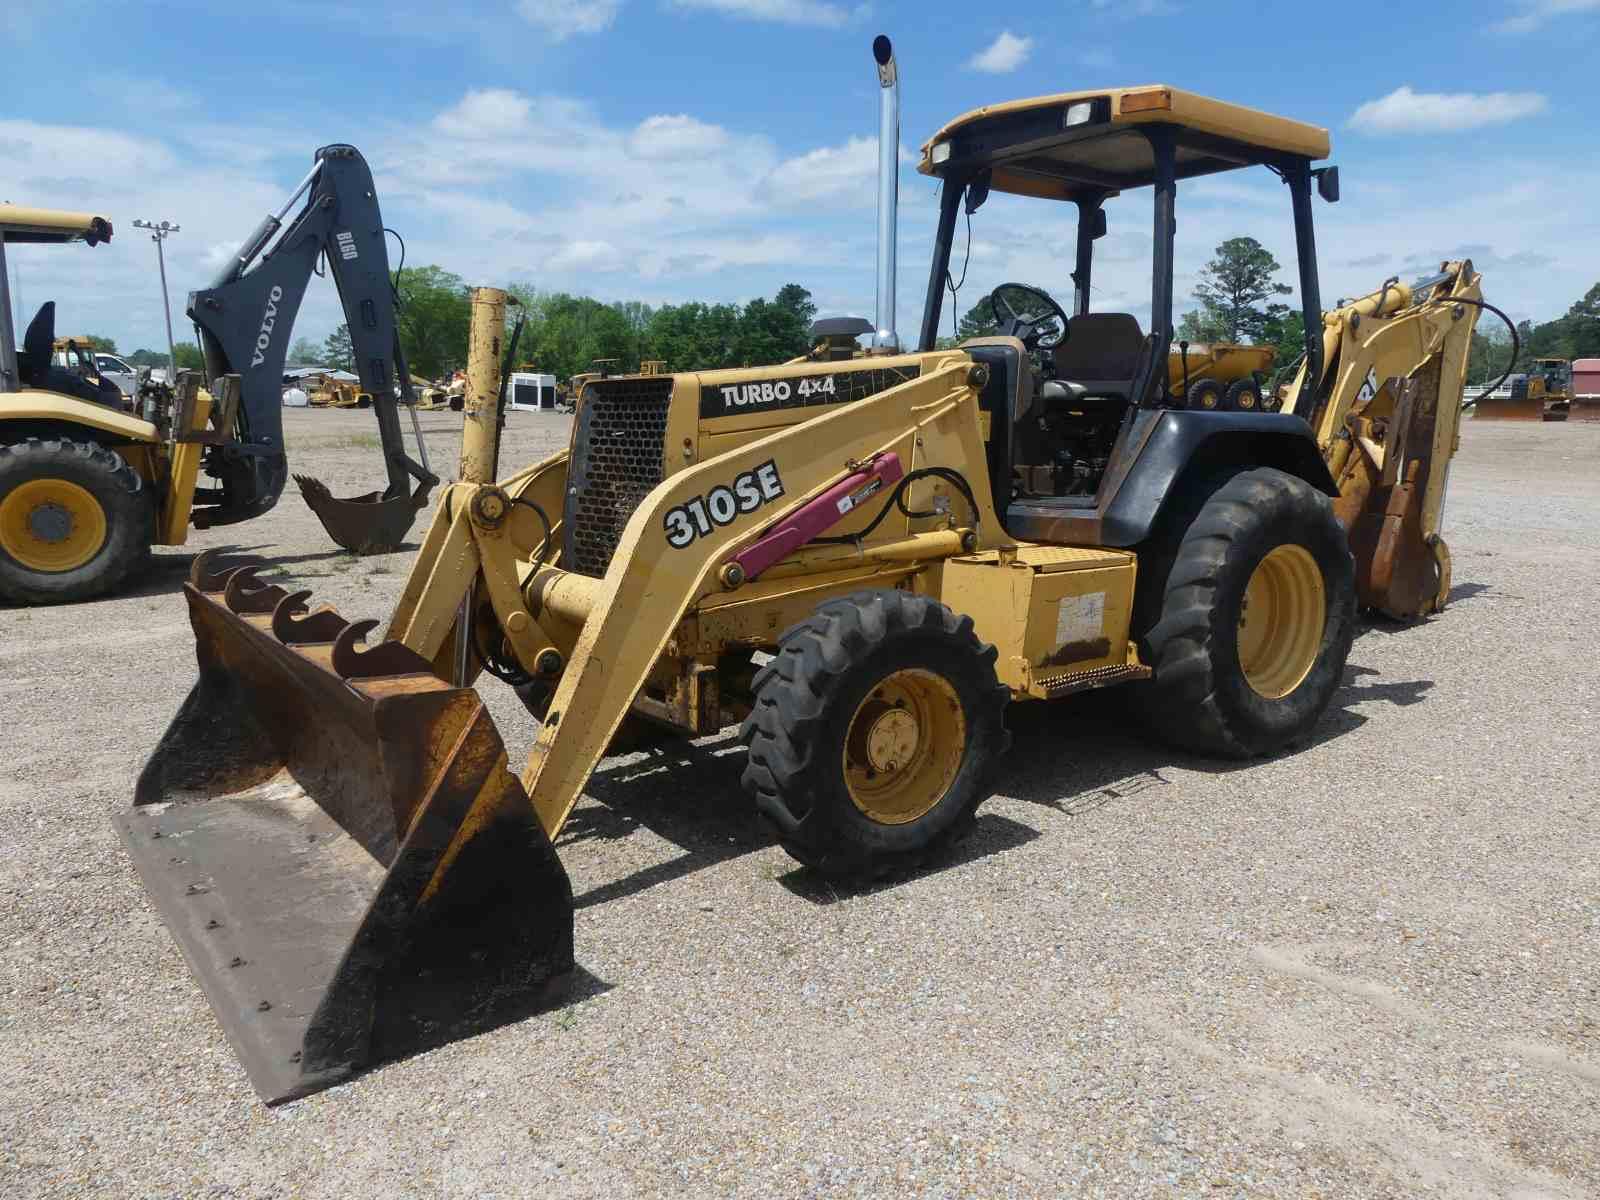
[1081, 618]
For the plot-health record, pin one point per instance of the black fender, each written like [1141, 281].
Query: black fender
[1186, 446]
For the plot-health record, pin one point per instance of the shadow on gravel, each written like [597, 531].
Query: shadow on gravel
[991, 834]
[1081, 754]
[1466, 591]
[1075, 756]
[690, 795]
[463, 1008]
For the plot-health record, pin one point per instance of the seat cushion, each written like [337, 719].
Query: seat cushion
[1102, 348]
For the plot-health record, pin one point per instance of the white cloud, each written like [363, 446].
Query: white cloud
[1006, 53]
[826, 173]
[1537, 13]
[1406, 111]
[561, 19]
[675, 136]
[786, 12]
[491, 113]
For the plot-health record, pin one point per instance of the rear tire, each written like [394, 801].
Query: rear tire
[76, 521]
[1205, 395]
[1243, 396]
[1257, 617]
[872, 732]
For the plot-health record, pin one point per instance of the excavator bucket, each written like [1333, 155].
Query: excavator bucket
[333, 838]
[366, 524]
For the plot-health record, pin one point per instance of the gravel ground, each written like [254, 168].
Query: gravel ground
[1370, 968]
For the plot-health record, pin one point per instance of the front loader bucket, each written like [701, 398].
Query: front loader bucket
[366, 524]
[333, 838]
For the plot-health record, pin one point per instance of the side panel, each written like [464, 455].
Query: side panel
[1047, 610]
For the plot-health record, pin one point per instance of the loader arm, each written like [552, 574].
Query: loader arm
[1388, 421]
[245, 319]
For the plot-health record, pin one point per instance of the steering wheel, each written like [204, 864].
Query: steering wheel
[1011, 300]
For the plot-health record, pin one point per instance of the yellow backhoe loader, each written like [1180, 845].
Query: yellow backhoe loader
[88, 481]
[862, 561]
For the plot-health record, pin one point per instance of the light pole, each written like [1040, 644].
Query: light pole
[158, 234]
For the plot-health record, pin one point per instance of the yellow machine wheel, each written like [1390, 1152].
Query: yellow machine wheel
[1281, 620]
[904, 746]
[1244, 395]
[51, 525]
[1206, 395]
[75, 520]
[1253, 618]
[872, 730]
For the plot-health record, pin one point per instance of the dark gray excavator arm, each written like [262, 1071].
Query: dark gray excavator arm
[245, 319]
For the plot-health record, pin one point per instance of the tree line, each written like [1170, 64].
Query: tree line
[563, 334]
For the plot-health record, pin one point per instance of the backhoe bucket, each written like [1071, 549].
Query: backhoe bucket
[333, 839]
[366, 524]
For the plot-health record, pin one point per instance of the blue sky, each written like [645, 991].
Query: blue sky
[668, 150]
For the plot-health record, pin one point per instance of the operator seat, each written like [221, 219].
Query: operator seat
[1099, 359]
[37, 366]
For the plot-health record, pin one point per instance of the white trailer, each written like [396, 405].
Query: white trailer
[530, 392]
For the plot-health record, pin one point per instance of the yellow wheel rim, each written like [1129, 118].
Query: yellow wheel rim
[1208, 399]
[904, 746]
[1247, 400]
[1281, 621]
[51, 525]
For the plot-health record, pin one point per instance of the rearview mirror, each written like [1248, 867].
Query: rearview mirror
[1097, 228]
[978, 192]
[1328, 184]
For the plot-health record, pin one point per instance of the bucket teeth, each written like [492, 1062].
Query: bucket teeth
[358, 875]
[247, 595]
[207, 576]
[386, 658]
[292, 629]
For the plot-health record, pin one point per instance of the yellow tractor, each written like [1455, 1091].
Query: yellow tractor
[1542, 394]
[860, 561]
[89, 481]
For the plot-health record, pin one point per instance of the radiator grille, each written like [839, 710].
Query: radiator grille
[616, 462]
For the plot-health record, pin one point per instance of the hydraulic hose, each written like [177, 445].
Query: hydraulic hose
[1516, 346]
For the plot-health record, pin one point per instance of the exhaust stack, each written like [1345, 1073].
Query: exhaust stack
[888, 189]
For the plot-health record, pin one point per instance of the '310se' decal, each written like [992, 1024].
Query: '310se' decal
[722, 505]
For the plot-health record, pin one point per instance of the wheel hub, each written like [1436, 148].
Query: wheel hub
[892, 741]
[1282, 617]
[51, 525]
[904, 747]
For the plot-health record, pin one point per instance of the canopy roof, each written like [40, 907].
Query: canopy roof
[21, 224]
[1078, 143]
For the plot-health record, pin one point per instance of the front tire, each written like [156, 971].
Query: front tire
[1256, 619]
[872, 732]
[76, 521]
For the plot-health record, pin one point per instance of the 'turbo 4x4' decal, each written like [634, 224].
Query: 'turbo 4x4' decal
[803, 391]
[699, 515]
